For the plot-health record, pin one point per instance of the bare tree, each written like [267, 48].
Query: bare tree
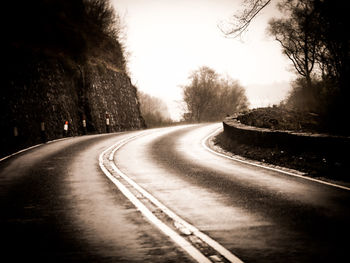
[154, 110]
[334, 43]
[102, 15]
[296, 35]
[232, 96]
[210, 98]
[198, 95]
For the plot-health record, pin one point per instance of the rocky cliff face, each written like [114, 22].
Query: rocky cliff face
[110, 91]
[64, 65]
[50, 92]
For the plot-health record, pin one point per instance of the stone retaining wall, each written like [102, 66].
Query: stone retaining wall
[288, 140]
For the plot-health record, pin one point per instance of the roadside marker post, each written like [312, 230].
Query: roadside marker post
[15, 131]
[16, 138]
[107, 122]
[42, 131]
[84, 125]
[65, 128]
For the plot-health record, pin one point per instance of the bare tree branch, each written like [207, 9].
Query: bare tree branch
[241, 21]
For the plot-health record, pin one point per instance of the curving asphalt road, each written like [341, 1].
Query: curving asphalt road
[57, 205]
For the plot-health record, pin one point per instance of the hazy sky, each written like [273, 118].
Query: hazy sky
[167, 39]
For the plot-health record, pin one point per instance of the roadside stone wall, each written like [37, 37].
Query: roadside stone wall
[289, 140]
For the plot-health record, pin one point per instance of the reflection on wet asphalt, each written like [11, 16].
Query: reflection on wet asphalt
[57, 205]
[260, 215]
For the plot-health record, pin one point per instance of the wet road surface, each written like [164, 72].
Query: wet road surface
[57, 205]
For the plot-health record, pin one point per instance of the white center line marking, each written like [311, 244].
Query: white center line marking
[179, 223]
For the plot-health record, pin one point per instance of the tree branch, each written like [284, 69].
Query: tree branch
[243, 20]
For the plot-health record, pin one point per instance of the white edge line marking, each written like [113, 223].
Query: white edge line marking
[26, 149]
[31, 147]
[215, 245]
[192, 251]
[266, 167]
[37, 145]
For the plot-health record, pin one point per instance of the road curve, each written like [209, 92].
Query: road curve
[258, 214]
[57, 205]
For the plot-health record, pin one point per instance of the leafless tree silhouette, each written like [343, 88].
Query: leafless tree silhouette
[210, 98]
[154, 110]
[240, 21]
[296, 36]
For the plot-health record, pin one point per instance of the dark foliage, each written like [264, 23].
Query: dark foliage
[72, 28]
[314, 35]
[280, 118]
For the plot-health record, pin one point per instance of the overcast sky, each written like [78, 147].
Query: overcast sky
[167, 39]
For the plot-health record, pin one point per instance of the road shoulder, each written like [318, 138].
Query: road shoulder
[257, 156]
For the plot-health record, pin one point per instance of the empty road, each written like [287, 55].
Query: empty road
[160, 195]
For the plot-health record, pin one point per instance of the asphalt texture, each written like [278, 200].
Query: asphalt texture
[258, 214]
[57, 205]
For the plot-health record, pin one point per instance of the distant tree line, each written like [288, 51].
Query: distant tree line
[211, 97]
[154, 110]
[314, 35]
